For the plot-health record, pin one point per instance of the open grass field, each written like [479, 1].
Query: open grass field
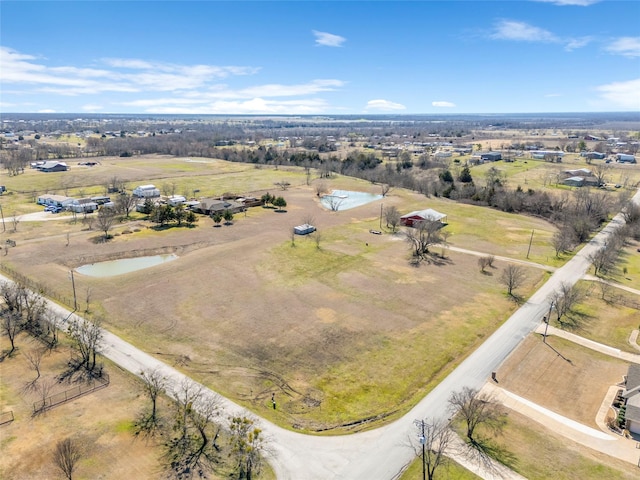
[326, 329]
[561, 376]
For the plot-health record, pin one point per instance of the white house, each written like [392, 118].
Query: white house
[146, 191]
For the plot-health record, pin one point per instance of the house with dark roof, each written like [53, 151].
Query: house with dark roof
[631, 395]
[53, 166]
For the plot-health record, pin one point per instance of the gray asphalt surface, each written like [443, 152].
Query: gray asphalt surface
[384, 452]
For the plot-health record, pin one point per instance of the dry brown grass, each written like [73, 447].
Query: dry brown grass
[100, 421]
[538, 453]
[561, 376]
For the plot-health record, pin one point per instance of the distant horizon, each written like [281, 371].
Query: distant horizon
[320, 57]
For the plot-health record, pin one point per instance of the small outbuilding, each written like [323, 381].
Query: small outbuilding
[304, 229]
[428, 215]
[574, 181]
[490, 156]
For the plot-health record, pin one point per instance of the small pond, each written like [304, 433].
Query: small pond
[124, 265]
[345, 199]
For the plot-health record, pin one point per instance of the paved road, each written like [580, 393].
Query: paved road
[381, 453]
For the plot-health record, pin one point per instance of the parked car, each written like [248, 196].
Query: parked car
[53, 209]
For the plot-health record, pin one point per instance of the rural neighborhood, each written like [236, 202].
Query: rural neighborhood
[482, 304]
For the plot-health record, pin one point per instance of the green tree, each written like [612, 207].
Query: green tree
[267, 198]
[446, 176]
[279, 203]
[247, 444]
[191, 218]
[228, 216]
[216, 217]
[465, 175]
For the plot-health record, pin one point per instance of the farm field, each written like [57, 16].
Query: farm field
[251, 314]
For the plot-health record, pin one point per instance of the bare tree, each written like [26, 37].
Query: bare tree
[125, 203]
[317, 238]
[334, 202]
[485, 261]
[87, 337]
[565, 298]
[563, 240]
[105, 220]
[15, 220]
[475, 410]
[66, 456]
[247, 445]
[283, 184]
[154, 384]
[392, 217]
[600, 171]
[193, 446]
[385, 189]
[321, 188]
[34, 357]
[11, 326]
[435, 437]
[512, 277]
[422, 236]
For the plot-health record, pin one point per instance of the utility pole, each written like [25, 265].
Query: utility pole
[73, 284]
[423, 440]
[547, 319]
[4, 228]
[381, 205]
[530, 240]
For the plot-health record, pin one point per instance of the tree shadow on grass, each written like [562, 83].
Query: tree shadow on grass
[485, 449]
[575, 321]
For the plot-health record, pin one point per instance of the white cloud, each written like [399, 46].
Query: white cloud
[252, 106]
[521, 31]
[91, 108]
[627, 46]
[47, 110]
[622, 94]
[328, 39]
[573, 43]
[578, 3]
[120, 75]
[384, 105]
[443, 104]
[275, 90]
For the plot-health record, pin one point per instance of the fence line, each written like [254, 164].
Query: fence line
[75, 392]
[6, 417]
[35, 286]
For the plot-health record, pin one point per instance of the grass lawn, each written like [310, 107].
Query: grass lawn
[605, 315]
[538, 453]
[564, 377]
[448, 471]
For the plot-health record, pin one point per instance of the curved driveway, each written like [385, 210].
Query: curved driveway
[384, 452]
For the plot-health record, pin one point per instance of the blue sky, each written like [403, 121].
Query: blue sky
[330, 57]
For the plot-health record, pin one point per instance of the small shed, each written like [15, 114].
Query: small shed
[428, 215]
[175, 200]
[304, 229]
[83, 205]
